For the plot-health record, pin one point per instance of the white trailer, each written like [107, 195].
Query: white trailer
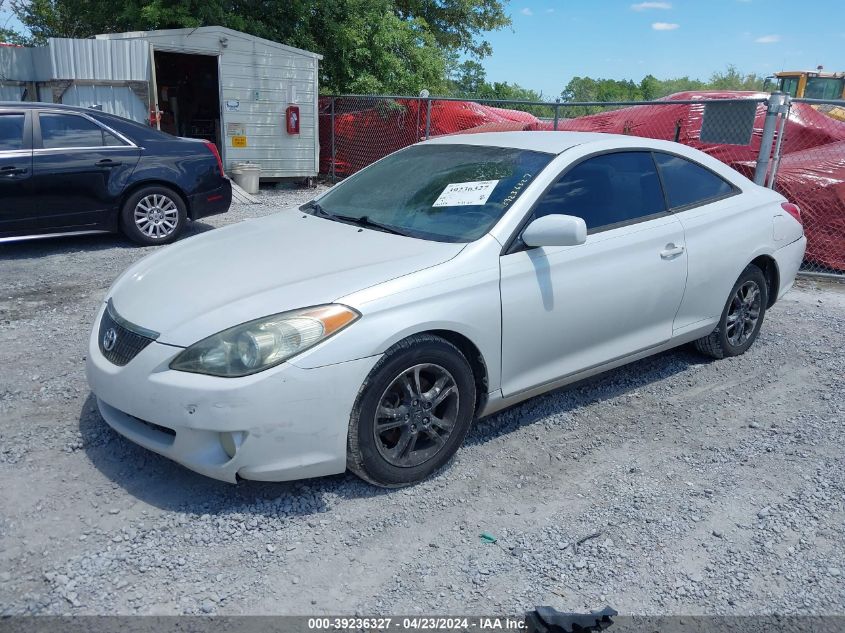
[237, 90]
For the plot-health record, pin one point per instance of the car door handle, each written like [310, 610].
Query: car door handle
[671, 251]
[11, 170]
[107, 162]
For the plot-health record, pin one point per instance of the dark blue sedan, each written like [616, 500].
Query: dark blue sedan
[76, 170]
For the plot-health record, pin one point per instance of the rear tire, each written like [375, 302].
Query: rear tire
[153, 215]
[742, 317]
[412, 413]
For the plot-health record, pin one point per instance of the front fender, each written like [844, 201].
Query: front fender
[461, 296]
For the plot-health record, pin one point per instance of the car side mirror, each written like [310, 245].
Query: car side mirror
[555, 230]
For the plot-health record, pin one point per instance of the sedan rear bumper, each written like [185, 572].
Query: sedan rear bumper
[789, 260]
[212, 202]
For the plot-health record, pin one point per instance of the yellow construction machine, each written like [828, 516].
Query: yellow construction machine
[817, 84]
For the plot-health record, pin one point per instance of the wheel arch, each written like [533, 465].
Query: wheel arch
[474, 357]
[769, 266]
[135, 186]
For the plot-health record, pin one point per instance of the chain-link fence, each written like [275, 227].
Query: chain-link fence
[804, 155]
[809, 168]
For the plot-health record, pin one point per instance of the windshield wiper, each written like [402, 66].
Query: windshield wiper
[363, 220]
[318, 210]
[372, 224]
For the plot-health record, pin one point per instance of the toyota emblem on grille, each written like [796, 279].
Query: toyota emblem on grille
[109, 339]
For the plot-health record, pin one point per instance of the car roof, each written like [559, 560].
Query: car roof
[29, 105]
[542, 141]
[553, 142]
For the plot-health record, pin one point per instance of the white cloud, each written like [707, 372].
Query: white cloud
[768, 39]
[527, 11]
[665, 26]
[645, 6]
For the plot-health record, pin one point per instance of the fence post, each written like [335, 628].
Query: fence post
[333, 146]
[774, 104]
[427, 118]
[784, 119]
[557, 111]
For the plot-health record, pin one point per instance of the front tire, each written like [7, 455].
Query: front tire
[741, 318]
[153, 215]
[412, 413]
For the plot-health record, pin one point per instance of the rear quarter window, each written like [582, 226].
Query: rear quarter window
[136, 132]
[688, 183]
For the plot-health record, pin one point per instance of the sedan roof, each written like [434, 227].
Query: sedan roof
[543, 141]
[558, 142]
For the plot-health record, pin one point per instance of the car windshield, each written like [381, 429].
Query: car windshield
[447, 193]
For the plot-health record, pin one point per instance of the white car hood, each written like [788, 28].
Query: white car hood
[205, 284]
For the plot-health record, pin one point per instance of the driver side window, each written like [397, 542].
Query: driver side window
[606, 190]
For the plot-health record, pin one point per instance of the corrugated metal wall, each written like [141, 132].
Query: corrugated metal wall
[112, 60]
[25, 64]
[11, 93]
[101, 60]
[118, 100]
[16, 63]
[85, 61]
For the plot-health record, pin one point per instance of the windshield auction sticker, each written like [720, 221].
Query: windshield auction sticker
[466, 194]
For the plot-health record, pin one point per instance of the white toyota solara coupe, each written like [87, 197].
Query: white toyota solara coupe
[369, 327]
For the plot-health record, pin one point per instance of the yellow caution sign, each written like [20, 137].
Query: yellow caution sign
[238, 141]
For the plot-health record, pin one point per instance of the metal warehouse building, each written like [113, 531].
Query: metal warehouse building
[256, 99]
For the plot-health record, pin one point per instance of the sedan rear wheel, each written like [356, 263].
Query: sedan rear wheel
[741, 317]
[156, 216]
[153, 215]
[743, 313]
[412, 412]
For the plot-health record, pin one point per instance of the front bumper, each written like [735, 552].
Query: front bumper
[291, 422]
[212, 202]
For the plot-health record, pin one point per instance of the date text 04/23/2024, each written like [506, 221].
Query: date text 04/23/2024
[417, 623]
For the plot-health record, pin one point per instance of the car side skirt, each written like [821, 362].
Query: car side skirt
[497, 401]
[40, 236]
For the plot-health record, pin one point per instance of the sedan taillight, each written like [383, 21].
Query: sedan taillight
[793, 210]
[213, 149]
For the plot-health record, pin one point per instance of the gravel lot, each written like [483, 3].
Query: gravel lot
[672, 486]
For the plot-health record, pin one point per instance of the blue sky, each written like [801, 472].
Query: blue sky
[554, 40]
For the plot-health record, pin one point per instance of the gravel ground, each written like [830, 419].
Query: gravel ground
[671, 486]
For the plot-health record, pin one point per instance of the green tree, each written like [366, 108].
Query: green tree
[679, 84]
[650, 88]
[7, 35]
[587, 89]
[468, 79]
[457, 24]
[733, 79]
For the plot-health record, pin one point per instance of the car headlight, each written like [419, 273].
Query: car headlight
[258, 345]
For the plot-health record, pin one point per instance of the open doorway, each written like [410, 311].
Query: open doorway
[188, 89]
